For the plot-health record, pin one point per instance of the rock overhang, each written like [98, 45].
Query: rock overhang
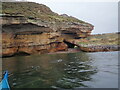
[30, 34]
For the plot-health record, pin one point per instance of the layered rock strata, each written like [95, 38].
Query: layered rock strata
[43, 32]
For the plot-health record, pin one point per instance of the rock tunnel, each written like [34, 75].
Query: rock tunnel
[70, 45]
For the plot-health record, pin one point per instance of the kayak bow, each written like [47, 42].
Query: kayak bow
[4, 83]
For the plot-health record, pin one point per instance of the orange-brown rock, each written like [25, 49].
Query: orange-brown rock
[58, 47]
[37, 29]
[62, 47]
[31, 43]
[9, 51]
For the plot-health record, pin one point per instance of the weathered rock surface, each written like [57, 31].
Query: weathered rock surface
[100, 48]
[100, 43]
[31, 43]
[33, 28]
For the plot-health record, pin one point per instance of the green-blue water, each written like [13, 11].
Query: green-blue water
[68, 70]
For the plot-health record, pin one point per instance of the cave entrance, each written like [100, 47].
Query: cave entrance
[70, 45]
[21, 54]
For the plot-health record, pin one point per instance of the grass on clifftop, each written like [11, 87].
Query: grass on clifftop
[101, 39]
[35, 10]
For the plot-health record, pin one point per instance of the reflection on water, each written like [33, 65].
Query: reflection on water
[52, 71]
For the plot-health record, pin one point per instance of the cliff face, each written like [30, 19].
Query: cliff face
[31, 28]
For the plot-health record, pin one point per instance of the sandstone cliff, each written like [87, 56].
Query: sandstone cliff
[31, 28]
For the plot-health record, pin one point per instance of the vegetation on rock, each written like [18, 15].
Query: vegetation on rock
[35, 10]
[101, 39]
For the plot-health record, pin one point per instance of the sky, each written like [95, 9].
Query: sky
[103, 14]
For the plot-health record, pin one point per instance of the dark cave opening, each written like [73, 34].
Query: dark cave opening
[77, 37]
[21, 54]
[70, 45]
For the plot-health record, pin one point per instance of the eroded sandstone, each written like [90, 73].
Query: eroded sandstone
[36, 31]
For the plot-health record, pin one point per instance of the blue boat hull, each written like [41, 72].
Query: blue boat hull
[4, 83]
